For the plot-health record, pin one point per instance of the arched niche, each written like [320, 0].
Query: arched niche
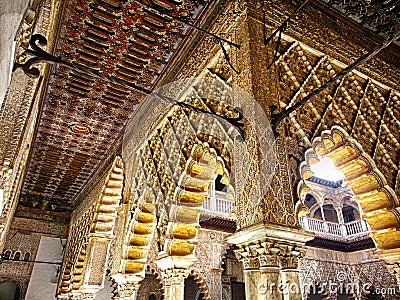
[173, 157]
[252, 160]
[150, 288]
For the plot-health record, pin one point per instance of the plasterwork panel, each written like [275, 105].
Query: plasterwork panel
[326, 35]
[210, 250]
[299, 71]
[97, 263]
[334, 269]
[365, 108]
[49, 228]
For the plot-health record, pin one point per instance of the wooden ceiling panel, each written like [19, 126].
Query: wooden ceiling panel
[83, 116]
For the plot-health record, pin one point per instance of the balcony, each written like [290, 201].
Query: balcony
[218, 204]
[350, 231]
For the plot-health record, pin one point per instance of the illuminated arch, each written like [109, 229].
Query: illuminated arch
[378, 202]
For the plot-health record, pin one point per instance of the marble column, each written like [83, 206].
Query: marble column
[252, 283]
[270, 271]
[252, 274]
[174, 283]
[289, 258]
[271, 280]
[291, 288]
[274, 242]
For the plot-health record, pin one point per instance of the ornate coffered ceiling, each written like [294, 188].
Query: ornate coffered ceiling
[82, 116]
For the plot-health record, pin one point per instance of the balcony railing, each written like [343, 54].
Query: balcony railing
[346, 231]
[218, 204]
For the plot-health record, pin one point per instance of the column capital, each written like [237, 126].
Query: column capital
[248, 256]
[289, 256]
[124, 289]
[268, 254]
[172, 276]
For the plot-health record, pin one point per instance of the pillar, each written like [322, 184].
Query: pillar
[270, 278]
[273, 248]
[216, 284]
[289, 259]
[270, 271]
[322, 212]
[252, 284]
[174, 283]
[254, 288]
[339, 214]
[340, 218]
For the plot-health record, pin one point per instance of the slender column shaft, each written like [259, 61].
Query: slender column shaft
[253, 284]
[291, 284]
[174, 283]
[322, 212]
[270, 279]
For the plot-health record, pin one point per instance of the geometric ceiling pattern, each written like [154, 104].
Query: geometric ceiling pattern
[82, 116]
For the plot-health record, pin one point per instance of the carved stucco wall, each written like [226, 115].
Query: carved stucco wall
[91, 230]
[276, 209]
[210, 252]
[356, 272]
